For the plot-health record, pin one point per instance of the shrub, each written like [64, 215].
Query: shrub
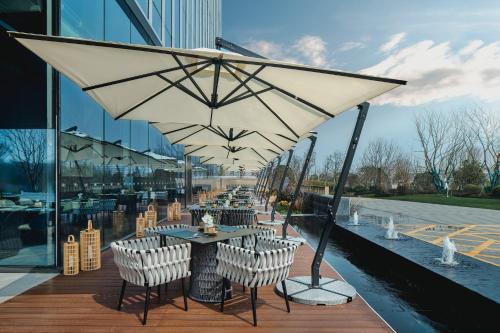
[471, 189]
[496, 191]
[359, 190]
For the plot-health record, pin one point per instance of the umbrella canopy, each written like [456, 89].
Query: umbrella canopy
[205, 87]
[232, 162]
[224, 152]
[193, 134]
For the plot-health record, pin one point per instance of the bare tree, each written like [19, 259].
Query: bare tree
[296, 165]
[380, 157]
[483, 140]
[403, 170]
[442, 141]
[312, 163]
[28, 147]
[333, 165]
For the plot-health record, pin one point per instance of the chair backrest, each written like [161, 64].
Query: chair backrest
[142, 262]
[250, 241]
[269, 265]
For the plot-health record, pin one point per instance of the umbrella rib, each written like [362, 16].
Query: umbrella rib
[187, 136]
[258, 154]
[249, 77]
[184, 89]
[247, 133]
[194, 150]
[285, 137]
[190, 76]
[261, 101]
[243, 96]
[179, 129]
[206, 160]
[239, 135]
[224, 135]
[213, 130]
[270, 141]
[287, 93]
[141, 76]
[172, 84]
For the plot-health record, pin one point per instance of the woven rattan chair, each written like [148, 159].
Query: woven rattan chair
[144, 263]
[251, 240]
[268, 264]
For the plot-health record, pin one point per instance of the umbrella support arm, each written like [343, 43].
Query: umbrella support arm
[282, 182]
[259, 180]
[299, 185]
[272, 182]
[332, 209]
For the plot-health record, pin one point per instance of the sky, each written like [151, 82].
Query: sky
[448, 51]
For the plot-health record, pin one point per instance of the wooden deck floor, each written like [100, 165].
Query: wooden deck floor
[87, 303]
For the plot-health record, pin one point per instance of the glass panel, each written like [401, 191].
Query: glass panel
[27, 146]
[144, 5]
[168, 22]
[157, 22]
[116, 24]
[82, 18]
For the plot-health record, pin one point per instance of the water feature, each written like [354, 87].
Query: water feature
[355, 218]
[391, 232]
[409, 298]
[448, 255]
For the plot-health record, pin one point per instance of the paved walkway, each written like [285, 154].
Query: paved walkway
[416, 212]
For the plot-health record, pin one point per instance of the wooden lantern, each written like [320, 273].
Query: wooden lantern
[118, 222]
[151, 217]
[177, 210]
[140, 224]
[170, 212]
[71, 258]
[90, 248]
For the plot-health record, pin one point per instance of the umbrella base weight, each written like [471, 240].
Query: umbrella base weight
[329, 292]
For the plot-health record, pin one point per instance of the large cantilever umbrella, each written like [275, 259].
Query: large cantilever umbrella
[206, 87]
[225, 152]
[196, 134]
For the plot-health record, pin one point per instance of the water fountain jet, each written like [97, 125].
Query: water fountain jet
[391, 233]
[448, 255]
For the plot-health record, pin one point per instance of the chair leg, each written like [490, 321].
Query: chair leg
[285, 294]
[121, 295]
[146, 305]
[159, 293]
[253, 295]
[223, 294]
[184, 294]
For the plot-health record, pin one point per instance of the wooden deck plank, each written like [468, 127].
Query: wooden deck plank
[87, 303]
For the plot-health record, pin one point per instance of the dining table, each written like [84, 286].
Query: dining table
[205, 285]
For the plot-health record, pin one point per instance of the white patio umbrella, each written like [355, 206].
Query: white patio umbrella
[195, 134]
[77, 146]
[205, 87]
[225, 152]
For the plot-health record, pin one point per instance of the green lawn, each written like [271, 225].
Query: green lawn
[487, 203]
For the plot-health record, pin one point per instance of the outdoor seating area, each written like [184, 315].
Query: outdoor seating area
[97, 300]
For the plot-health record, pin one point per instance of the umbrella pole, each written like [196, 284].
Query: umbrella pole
[315, 289]
[282, 182]
[268, 176]
[298, 186]
[272, 182]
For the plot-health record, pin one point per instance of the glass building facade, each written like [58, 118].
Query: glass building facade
[63, 159]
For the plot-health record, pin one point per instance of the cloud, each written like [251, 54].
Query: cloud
[313, 49]
[310, 50]
[347, 46]
[393, 42]
[435, 72]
